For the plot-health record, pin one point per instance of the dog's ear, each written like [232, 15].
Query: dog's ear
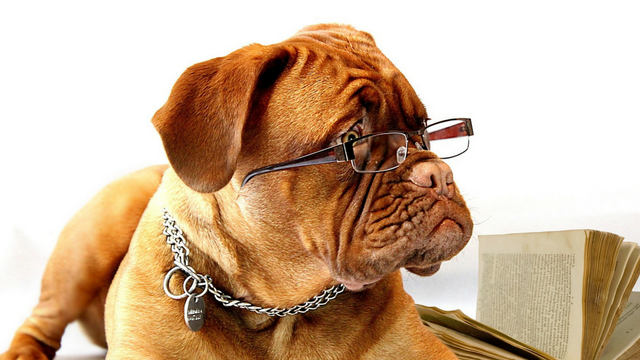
[202, 121]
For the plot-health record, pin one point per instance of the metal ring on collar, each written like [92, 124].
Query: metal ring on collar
[165, 285]
[197, 282]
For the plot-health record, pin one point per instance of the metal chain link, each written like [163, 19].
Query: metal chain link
[176, 239]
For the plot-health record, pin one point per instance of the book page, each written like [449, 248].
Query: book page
[621, 286]
[457, 321]
[601, 256]
[627, 331]
[467, 347]
[531, 286]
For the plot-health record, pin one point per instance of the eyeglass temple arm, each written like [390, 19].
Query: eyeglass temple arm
[325, 156]
[453, 131]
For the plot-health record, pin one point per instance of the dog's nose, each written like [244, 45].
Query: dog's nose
[434, 175]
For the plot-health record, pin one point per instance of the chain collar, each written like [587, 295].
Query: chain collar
[194, 280]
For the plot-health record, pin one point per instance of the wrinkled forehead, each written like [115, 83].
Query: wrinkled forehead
[337, 69]
[355, 48]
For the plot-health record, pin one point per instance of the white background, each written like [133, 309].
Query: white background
[552, 87]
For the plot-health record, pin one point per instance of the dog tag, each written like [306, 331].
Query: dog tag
[194, 312]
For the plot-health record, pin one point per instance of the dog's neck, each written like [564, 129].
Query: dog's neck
[239, 264]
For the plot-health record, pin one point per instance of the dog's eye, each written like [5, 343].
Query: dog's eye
[350, 135]
[353, 133]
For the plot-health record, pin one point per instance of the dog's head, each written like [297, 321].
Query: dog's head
[263, 105]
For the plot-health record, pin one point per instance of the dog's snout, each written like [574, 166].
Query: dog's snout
[435, 175]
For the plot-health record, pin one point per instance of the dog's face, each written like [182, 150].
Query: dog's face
[265, 105]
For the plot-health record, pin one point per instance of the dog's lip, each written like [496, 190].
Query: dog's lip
[426, 270]
[421, 262]
[447, 225]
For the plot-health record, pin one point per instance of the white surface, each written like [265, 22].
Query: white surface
[552, 87]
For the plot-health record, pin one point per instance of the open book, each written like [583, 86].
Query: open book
[552, 295]
[470, 339]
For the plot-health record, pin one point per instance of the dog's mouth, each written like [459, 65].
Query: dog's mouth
[424, 270]
[419, 240]
[444, 242]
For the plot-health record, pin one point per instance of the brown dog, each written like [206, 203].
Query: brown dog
[278, 240]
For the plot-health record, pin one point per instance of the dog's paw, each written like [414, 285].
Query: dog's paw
[25, 347]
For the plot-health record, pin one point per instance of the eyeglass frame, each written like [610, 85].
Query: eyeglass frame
[344, 152]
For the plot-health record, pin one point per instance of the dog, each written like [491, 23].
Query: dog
[211, 257]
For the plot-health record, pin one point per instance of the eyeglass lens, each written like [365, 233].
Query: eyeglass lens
[379, 152]
[448, 138]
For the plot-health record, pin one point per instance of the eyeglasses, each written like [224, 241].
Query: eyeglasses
[380, 152]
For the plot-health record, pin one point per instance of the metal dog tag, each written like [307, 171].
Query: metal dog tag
[194, 311]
